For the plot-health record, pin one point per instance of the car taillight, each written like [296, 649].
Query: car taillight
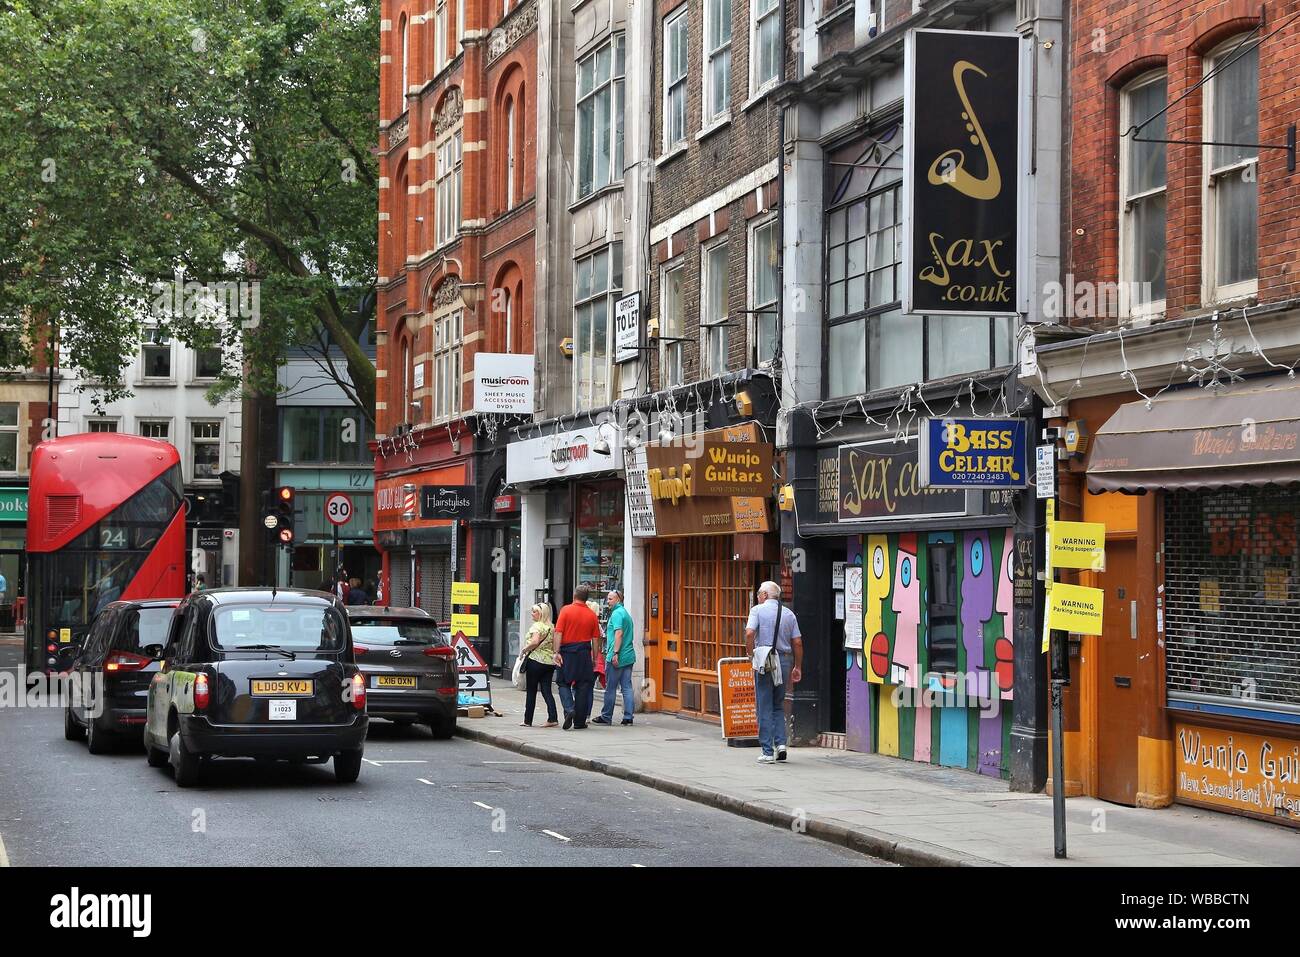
[201, 695]
[357, 649]
[359, 692]
[440, 651]
[125, 661]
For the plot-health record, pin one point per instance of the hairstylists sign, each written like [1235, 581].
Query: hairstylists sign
[962, 179]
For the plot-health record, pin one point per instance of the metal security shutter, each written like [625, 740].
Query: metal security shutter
[435, 583]
[400, 574]
[1232, 613]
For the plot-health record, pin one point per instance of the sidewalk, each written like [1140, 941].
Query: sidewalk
[896, 810]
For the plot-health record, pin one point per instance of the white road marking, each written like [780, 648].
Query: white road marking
[405, 761]
[4, 858]
[558, 837]
[426, 781]
[511, 762]
[486, 807]
[638, 865]
[368, 761]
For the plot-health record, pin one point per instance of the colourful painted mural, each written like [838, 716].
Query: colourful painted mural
[896, 703]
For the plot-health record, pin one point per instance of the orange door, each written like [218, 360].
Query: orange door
[664, 640]
[1117, 694]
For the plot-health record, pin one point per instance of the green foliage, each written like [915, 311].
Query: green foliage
[227, 141]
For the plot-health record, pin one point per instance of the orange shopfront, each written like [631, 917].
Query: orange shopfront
[421, 556]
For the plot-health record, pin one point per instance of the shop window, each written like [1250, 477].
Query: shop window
[941, 635]
[675, 34]
[1231, 190]
[717, 60]
[8, 436]
[1143, 182]
[600, 117]
[717, 594]
[600, 538]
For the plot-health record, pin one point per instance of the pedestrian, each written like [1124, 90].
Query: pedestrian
[770, 623]
[620, 656]
[199, 582]
[355, 594]
[598, 650]
[575, 631]
[341, 586]
[539, 665]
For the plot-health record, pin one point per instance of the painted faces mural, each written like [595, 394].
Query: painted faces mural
[948, 728]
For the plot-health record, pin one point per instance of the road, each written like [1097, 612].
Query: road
[418, 802]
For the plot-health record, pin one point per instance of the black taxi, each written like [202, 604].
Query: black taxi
[257, 672]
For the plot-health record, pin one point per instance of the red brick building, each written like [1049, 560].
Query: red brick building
[1180, 248]
[456, 265]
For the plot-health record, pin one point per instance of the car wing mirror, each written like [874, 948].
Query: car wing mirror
[153, 651]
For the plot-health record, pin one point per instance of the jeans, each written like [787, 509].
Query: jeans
[576, 695]
[617, 679]
[770, 701]
[537, 677]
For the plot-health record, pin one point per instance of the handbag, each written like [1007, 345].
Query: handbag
[767, 660]
[517, 677]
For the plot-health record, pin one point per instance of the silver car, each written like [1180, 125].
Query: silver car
[409, 666]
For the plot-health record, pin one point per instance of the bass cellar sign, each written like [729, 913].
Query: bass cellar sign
[962, 177]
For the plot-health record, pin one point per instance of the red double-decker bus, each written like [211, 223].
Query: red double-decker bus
[105, 521]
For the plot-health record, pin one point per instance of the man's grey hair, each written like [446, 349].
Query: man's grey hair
[771, 589]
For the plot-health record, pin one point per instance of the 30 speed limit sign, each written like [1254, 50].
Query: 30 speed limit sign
[338, 508]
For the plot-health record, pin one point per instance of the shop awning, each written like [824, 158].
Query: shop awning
[1245, 435]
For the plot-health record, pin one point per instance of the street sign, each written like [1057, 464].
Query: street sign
[467, 657]
[473, 681]
[209, 538]
[464, 593]
[270, 521]
[1079, 545]
[338, 508]
[1046, 471]
[1075, 608]
[466, 625]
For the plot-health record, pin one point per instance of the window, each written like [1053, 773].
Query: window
[672, 311]
[460, 25]
[763, 257]
[598, 280]
[405, 415]
[510, 153]
[406, 67]
[765, 43]
[713, 309]
[675, 79]
[941, 636]
[160, 429]
[446, 365]
[1142, 209]
[205, 449]
[207, 363]
[449, 179]
[8, 436]
[1231, 193]
[157, 354]
[870, 344]
[717, 59]
[316, 434]
[440, 38]
[101, 425]
[600, 117]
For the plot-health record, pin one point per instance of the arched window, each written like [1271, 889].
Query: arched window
[397, 222]
[405, 414]
[406, 67]
[510, 152]
[504, 331]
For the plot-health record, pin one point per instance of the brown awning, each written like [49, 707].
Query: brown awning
[1245, 435]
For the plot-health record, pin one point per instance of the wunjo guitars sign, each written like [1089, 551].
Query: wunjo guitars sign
[962, 178]
[709, 469]
[974, 453]
[1253, 774]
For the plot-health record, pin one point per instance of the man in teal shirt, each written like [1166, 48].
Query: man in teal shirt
[620, 656]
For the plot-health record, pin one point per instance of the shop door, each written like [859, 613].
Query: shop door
[435, 584]
[1117, 695]
[559, 589]
[399, 572]
[664, 638]
[11, 567]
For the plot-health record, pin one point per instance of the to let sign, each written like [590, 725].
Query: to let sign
[627, 328]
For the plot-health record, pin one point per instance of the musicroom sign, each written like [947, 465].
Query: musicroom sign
[559, 456]
[503, 383]
[962, 172]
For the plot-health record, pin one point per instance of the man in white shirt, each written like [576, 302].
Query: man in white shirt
[771, 623]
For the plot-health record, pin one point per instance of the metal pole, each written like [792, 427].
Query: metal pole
[1059, 663]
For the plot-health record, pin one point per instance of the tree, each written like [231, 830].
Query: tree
[147, 144]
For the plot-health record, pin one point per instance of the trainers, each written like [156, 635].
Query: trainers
[600, 719]
[568, 720]
[766, 759]
[626, 722]
[780, 752]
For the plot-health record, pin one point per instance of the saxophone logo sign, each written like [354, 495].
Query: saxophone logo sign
[962, 178]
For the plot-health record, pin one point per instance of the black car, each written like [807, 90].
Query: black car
[261, 673]
[409, 665]
[109, 678]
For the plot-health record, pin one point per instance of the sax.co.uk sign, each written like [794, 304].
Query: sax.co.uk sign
[963, 172]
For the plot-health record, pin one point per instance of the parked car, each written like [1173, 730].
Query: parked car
[110, 675]
[409, 664]
[254, 672]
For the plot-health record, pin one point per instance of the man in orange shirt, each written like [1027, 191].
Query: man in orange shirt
[575, 630]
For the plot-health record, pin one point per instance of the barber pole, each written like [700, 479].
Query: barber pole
[408, 502]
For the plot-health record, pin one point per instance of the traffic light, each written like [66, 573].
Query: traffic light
[286, 536]
[283, 503]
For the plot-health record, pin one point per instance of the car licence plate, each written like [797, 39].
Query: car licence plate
[296, 687]
[396, 681]
[284, 710]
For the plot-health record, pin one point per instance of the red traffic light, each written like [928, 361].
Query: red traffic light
[286, 535]
[285, 493]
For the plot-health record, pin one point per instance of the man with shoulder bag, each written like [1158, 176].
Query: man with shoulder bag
[772, 639]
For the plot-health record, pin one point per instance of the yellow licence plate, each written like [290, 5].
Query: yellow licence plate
[395, 681]
[297, 688]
